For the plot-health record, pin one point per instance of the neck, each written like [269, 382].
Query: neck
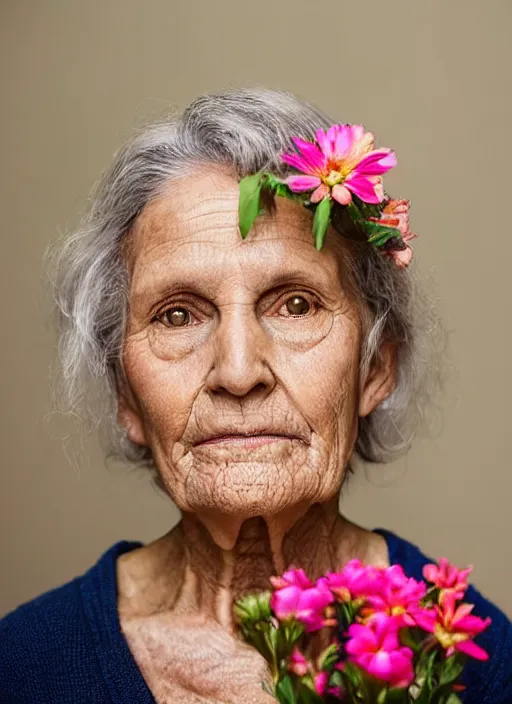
[205, 573]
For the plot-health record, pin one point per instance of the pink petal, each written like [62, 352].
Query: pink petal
[390, 642]
[297, 162]
[471, 624]
[331, 134]
[298, 663]
[363, 188]
[402, 257]
[311, 153]
[381, 666]
[319, 193]
[471, 648]
[321, 683]
[302, 183]
[324, 143]
[357, 132]
[451, 575]
[461, 612]
[297, 577]
[285, 601]
[315, 599]
[426, 619]
[361, 643]
[376, 162]
[341, 194]
[403, 673]
[430, 572]
[343, 141]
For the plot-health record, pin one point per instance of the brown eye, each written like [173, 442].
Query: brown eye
[298, 305]
[176, 317]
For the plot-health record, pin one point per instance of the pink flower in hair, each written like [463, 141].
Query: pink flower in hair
[341, 163]
[396, 214]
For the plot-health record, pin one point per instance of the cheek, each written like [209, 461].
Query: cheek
[324, 379]
[165, 392]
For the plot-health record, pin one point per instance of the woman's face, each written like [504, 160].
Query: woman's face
[227, 337]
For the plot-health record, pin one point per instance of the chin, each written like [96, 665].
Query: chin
[263, 482]
[242, 489]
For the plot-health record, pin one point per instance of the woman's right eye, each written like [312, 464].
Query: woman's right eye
[175, 317]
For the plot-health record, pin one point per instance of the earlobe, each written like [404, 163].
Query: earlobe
[381, 381]
[129, 417]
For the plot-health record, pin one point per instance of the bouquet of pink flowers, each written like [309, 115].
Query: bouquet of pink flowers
[384, 637]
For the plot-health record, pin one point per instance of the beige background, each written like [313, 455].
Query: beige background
[430, 77]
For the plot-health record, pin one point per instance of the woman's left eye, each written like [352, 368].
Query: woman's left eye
[298, 305]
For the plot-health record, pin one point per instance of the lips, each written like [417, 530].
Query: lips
[249, 440]
[259, 435]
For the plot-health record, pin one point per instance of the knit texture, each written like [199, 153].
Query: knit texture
[66, 645]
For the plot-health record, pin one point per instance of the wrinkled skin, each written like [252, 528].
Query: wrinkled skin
[228, 336]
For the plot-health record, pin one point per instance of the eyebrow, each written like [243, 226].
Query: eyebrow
[201, 283]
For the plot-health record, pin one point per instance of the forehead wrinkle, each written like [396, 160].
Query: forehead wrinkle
[166, 273]
[175, 223]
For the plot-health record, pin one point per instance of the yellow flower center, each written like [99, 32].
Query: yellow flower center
[448, 639]
[397, 610]
[333, 178]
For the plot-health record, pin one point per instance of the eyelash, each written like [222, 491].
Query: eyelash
[313, 300]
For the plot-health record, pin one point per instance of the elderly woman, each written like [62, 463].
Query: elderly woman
[247, 373]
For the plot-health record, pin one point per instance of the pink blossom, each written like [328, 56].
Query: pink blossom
[308, 605]
[298, 664]
[292, 577]
[342, 162]
[355, 580]
[396, 214]
[447, 577]
[375, 647]
[455, 628]
[399, 596]
[321, 681]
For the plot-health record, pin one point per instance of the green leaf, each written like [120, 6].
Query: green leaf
[381, 699]
[328, 657]
[452, 669]
[380, 234]
[307, 695]
[285, 692]
[249, 202]
[453, 699]
[321, 221]
[366, 210]
[396, 695]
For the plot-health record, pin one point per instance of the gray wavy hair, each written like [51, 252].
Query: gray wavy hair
[246, 129]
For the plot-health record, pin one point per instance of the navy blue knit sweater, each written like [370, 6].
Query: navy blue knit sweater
[66, 646]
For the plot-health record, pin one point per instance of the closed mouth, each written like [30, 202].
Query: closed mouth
[251, 440]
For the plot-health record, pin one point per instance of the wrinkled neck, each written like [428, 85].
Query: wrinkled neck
[316, 539]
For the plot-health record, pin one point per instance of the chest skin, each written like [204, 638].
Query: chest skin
[180, 633]
[193, 663]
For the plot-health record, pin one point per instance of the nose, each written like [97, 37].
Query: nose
[241, 348]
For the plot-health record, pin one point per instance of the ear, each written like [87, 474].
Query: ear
[380, 382]
[128, 413]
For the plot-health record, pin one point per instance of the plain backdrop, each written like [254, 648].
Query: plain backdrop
[430, 77]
